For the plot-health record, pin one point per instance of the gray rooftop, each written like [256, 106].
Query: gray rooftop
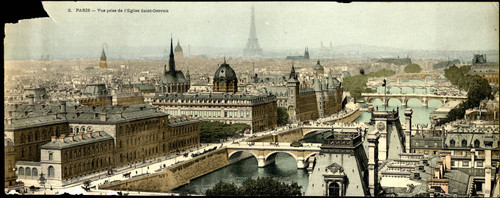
[68, 143]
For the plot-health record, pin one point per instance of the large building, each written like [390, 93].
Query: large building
[66, 141]
[173, 81]
[324, 99]
[225, 79]
[258, 111]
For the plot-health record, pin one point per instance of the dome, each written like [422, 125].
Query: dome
[318, 67]
[178, 48]
[225, 72]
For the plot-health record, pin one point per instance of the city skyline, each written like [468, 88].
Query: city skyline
[280, 26]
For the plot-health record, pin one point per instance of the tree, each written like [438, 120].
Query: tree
[282, 116]
[213, 131]
[413, 68]
[266, 186]
[223, 189]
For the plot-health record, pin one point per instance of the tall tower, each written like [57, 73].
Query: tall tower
[102, 62]
[292, 86]
[171, 61]
[253, 47]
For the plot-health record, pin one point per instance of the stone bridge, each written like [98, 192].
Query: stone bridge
[418, 75]
[265, 152]
[424, 98]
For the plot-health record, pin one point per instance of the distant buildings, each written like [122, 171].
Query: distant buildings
[305, 57]
[396, 61]
[178, 51]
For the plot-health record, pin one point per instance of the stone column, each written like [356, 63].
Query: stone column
[408, 114]
[373, 163]
[472, 157]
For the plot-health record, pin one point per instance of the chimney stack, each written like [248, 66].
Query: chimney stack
[102, 117]
[9, 121]
[61, 138]
[89, 134]
[488, 144]
[98, 133]
[62, 106]
[72, 137]
[53, 138]
[407, 131]
[80, 135]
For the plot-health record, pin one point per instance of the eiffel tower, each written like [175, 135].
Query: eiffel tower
[253, 47]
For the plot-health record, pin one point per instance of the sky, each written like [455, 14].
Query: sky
[280, 25]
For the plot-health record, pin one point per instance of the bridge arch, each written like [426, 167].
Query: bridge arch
[236, 154]
[272, 155]
[434, 101]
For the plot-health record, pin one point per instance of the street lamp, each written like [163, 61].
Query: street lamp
[42, 181]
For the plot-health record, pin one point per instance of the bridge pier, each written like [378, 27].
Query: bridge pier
[385, 101]
[403, 101]
[425, 102]
[262, 162]
[300, 163]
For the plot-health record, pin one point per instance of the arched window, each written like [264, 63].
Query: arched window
[477, 143]
[21, 171]
[28, 171]
[35, 172]
[71, 130]
[334, 190]
[464, 143]
[51, 156]
[83, 129]
[51, 171]
[77, 130]
[452, 143]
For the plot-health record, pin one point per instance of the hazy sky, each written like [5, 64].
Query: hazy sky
[280, 25]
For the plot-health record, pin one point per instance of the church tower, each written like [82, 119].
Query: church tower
[102, 62]
[292, 86]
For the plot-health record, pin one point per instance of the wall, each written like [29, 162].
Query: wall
[175, 175]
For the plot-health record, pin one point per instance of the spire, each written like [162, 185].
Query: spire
[171, 61]
[293, 75]
[103, 55]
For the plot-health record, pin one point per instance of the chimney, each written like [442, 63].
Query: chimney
[98, 133]
[62, 106]
[53, 138]
[80, 135]
[436, 173]
[31, 101]
[61, 138]
[488, 144]
[9, 121]
[72, 137]
[89, 134]
[102, 117]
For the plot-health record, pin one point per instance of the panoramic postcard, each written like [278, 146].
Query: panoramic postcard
[368, 99]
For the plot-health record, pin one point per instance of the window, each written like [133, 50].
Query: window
[21, 171]
[28, 171]
[479, 164]
[334, 190]
[464, 143]
[465, 163]
[426, 152]
[35, 172]
[51, 156]
[51, 171]
[452, 143]
[453, 163]
[477, 143]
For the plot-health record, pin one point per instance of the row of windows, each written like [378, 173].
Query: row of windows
[90, 165]
[36, 135]
[85, 150]
[477, 143]
[28, 172]
[229, 114]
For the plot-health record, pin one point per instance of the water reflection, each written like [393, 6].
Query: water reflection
[284, 169]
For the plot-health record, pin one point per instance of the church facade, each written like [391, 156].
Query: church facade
[174, 81]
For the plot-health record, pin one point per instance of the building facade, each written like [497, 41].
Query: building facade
[225, 79]
[258, 111]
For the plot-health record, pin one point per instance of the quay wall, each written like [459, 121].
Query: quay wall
[174, 176]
